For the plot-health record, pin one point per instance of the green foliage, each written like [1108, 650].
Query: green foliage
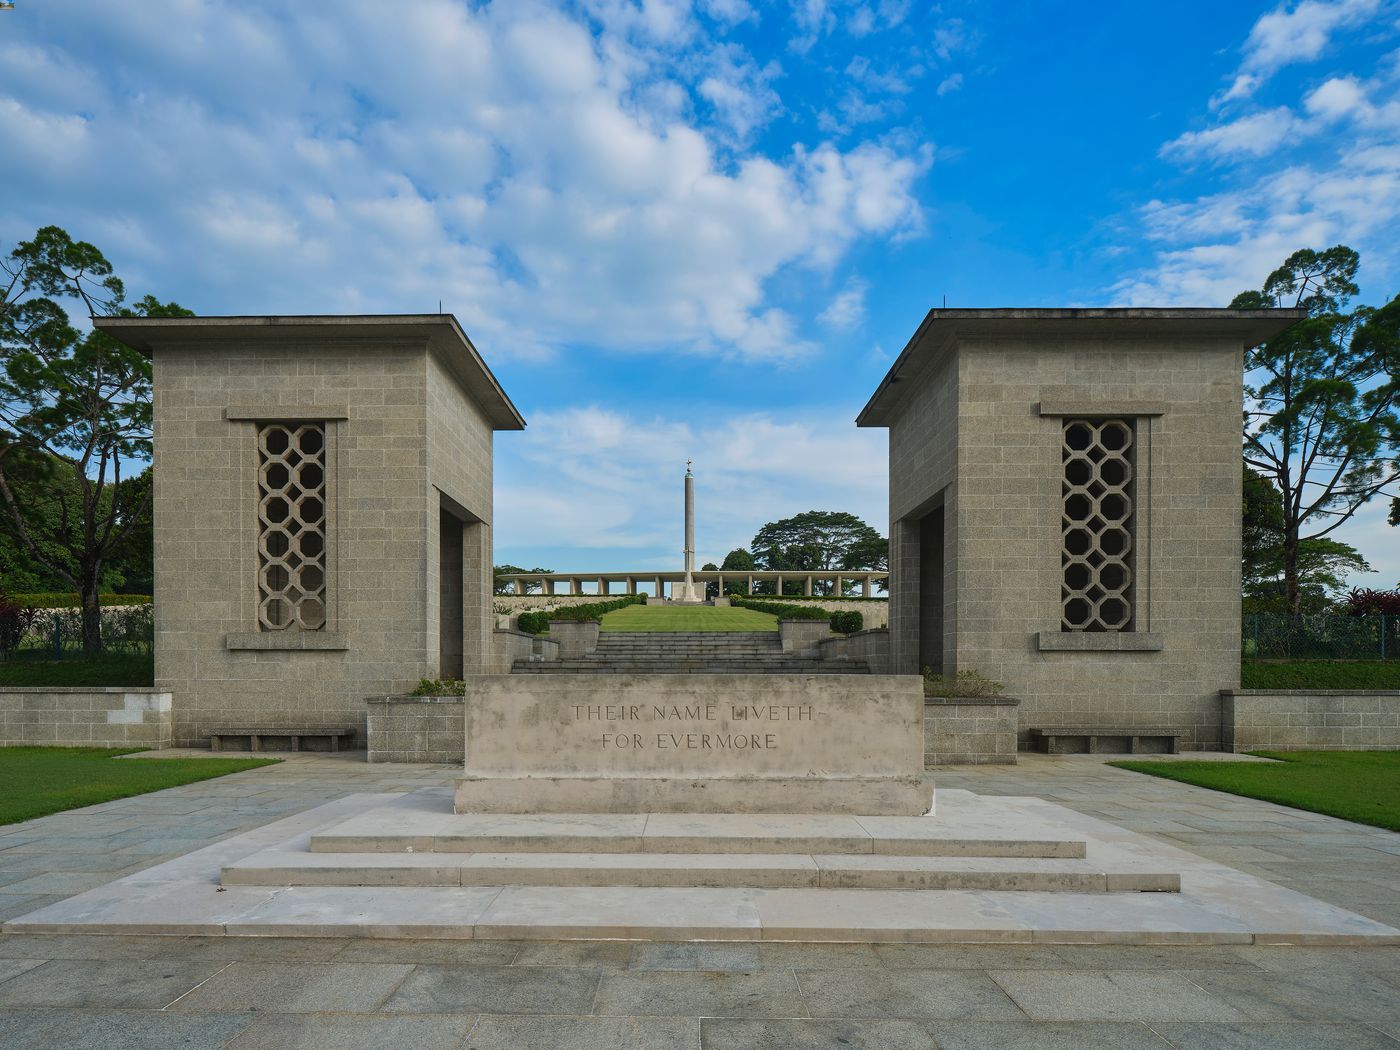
[967, 684]
[782, 610]
[136, 670]
[43, 780]
[819, 540]
[69, 600]
[595, 610]
[501, 586]
[75, 411]
[1362, 786]
[533, 622]
[1323, 403]
[738, 560]
[1320, 674]
[440, 687]
[847, 622]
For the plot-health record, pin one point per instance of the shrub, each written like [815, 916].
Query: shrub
[15, 620]
[533, 622]
[60, 600]
[781, 610]
[1363, 601]
[847, 622]
[595, 610]
[967, 683]
[440, 687]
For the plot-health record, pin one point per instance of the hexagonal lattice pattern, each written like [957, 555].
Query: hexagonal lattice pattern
[292, 526]
[1097, 552]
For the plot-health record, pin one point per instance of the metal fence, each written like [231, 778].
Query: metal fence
[1320, 636]
[57, 634]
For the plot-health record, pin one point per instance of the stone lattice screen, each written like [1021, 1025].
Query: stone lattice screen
[1097, 552]
[291, 526]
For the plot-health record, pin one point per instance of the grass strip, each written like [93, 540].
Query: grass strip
[637, 618]
[1361, 786]
[43, 780]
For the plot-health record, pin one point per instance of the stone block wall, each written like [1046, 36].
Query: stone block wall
[416, 729]
[970, 731]
[509, 646]
[872, 646]
[85, 717]
[1310, 720]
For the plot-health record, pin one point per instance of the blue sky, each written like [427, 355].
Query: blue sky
[702, 229]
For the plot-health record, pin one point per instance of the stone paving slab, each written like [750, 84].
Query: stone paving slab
[1217, 904]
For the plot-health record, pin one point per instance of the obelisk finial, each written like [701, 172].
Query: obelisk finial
[688, 462]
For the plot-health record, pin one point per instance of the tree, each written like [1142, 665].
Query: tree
[1322, 419]
[1323, 564]
[82, 400]
[737, 561]
[819, 540]
[501, 586]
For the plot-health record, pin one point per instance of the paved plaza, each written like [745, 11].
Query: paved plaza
[265, 992]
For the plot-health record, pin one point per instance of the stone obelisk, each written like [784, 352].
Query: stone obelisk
[688, 592]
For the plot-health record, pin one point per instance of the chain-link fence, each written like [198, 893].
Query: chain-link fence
[57, 634]
[1320, 636]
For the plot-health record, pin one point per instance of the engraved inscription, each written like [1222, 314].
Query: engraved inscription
[658, 729]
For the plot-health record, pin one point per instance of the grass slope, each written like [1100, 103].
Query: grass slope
[111, 669]
[687, 618]
[1363, 786]
[43, 780]
[1320, 674]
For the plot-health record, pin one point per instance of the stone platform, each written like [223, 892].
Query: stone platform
[981, 869]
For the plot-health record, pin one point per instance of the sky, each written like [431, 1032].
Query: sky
[702, 229]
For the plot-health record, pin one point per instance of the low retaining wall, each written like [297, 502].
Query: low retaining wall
[509, 646]
[415, 729]
[84, 717]
[1310, 719]
[803, 636]
[970, 731]
[872, 646]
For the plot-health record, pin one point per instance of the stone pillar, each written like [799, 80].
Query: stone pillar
[660, 587]
[602, 586]
[840, 587]
[575, 585]
[807, 586]
[751, 585]
[546, 586]
[631, 585]
[721, 585]
[865, 587]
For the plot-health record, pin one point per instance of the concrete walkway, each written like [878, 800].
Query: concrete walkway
[213, 992]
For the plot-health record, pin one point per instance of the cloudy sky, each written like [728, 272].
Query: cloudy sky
[701, 229]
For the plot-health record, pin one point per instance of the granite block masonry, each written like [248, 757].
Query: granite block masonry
[1065, 508]
[694, 744]
[322, 512]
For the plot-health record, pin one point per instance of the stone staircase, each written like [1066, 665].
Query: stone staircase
[419, 842]
[691, 652]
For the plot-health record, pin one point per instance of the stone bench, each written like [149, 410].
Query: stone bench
[1056, 741]
[333, 733]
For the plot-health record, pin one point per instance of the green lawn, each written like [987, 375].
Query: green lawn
[1363, 786]
[43, 780]
[687, 618]
[1320, 674]
[110, 669]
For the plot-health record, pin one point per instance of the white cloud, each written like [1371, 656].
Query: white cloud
[949, 84]
[548, 184]
[848, 308]
[1288, 35]
[616, 478]
[1255, 135]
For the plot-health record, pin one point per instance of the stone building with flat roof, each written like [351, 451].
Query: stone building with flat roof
[322, 512]
[1065, 498]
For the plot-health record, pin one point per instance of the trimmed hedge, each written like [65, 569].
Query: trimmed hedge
[779, 609]
[847, 622]
[59, 600]
[533, 622]
[595, 610]
[1320, 674]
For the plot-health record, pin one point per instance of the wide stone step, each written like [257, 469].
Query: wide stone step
[765, 871]
[409, 832]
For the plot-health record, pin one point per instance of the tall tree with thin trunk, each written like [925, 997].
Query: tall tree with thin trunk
[1322, 413]
[80, 400]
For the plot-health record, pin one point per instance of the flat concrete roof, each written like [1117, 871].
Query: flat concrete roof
[440, 332]
[941, 330]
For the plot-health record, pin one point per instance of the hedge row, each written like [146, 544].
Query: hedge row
[59, 600]
[841, 622]
[538, 622]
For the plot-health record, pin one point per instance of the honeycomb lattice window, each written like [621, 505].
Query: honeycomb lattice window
[1097, 553]
[292, 526]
